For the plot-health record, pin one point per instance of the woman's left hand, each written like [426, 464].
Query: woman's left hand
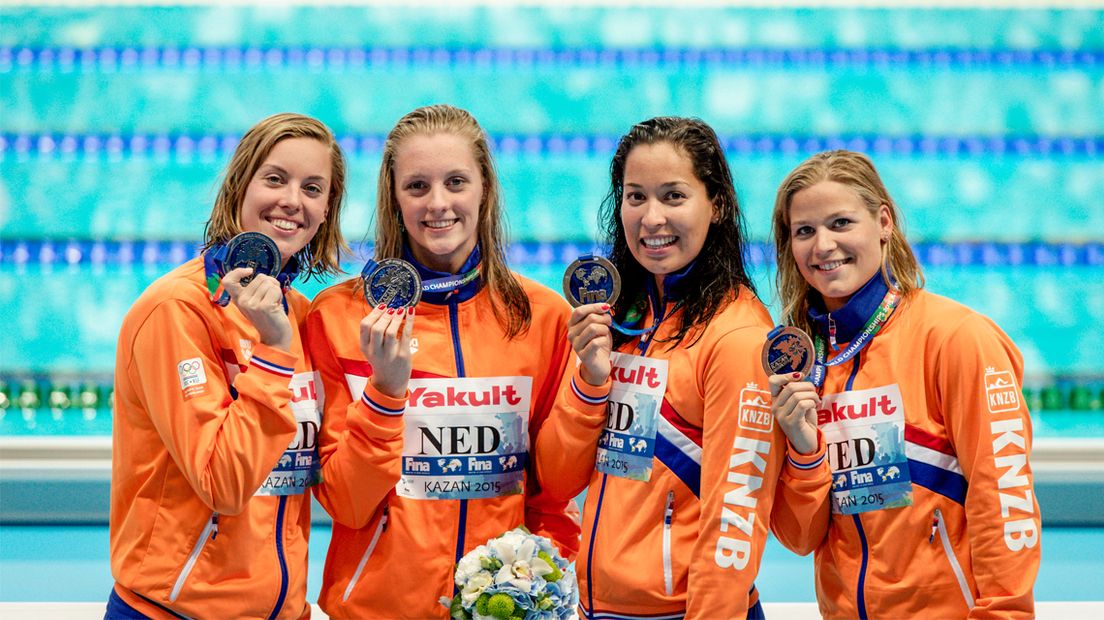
[386, 350]
[794, 405]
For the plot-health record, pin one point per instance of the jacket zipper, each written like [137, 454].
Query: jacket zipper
[668, 516]
[210, 531]
[454, 324]
[938, 525]
[380, 527]
[280, 557]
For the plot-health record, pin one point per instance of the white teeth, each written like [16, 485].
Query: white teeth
[830, 266]
[658, 242]
[440, 223]
[284, 224]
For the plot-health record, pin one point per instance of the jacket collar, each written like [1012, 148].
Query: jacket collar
[463, 293]
[675, 286]
[853, 315]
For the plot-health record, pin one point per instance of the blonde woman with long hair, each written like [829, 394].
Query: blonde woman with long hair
[429, 427]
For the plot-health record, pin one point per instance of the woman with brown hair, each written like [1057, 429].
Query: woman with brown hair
[216, 419]
[427, 435]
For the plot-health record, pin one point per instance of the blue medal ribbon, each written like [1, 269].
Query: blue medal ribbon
[873, 325]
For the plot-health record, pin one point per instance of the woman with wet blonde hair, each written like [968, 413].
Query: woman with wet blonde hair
[428, 431]
[914, 400]
[216, 413]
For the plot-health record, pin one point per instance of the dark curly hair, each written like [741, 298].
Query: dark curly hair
[720, 270]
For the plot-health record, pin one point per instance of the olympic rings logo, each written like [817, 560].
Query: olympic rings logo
[190, 366]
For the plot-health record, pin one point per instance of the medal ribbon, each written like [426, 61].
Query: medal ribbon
[873, 325]
[436, 285]
[214, 268]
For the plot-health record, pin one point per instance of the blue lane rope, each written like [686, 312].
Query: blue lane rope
[219, 145]
[49, 252]
[115, 58]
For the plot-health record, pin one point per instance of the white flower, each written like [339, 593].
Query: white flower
[475, 586]
[469, 564]
[527, 550]
[508, 574]
[540, 567]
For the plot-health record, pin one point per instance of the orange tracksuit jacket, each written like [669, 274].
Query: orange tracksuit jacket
[689, 539]
[393, 556]
[969, 544]
[203, 414]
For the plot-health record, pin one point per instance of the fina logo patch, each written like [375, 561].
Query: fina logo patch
[192, 376]
[755, 412]
[1000, 391]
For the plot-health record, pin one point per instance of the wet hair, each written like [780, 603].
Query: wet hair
[512, 310]
[719, 271]
[857, 172]
[322, 255]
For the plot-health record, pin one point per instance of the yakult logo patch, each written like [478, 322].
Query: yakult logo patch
[192, 376]
[755, 413]
[1000, 391]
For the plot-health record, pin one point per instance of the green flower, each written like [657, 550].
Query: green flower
[501, 606]
[481, 604]
[456, 610]
[556, 573]
[491, 564]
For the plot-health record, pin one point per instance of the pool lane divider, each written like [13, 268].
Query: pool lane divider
[21, 146]
[154, 252]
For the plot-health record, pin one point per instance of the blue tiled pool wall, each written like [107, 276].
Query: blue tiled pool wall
[986, 126]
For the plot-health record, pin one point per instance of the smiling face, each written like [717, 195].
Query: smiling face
[836, 241]
[439, 188]
[665, 208]
[287, 198]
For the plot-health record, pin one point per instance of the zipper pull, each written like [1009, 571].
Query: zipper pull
[383, 519]
[935, 526]
[832, 332]
[214, 526]
[669, 511]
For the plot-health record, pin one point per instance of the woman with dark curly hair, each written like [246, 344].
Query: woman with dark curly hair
[665, 421]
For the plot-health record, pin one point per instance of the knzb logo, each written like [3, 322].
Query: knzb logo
[755, 413]
[1000, 391]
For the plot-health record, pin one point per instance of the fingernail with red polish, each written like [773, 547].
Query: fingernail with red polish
[390, 311]
[380, 307]
[605, 306]
[797, 375]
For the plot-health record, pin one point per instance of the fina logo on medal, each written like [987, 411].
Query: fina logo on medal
[1000, 391]
[253, 250]
[392, 282]
[788, 350]
[591, 280]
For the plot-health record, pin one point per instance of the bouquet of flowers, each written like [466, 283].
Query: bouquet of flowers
[517, 576]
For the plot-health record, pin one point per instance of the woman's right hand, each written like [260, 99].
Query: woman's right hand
[386, 350]
[589, 333]
[794, 405]
[261, 301]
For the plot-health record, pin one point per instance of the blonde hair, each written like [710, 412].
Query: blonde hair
[322, 255]
[516, 317]
[857, 172]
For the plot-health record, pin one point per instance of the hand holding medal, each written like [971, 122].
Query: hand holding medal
[591, 285]
[392, 288]
[788, 359]
[251, 259]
